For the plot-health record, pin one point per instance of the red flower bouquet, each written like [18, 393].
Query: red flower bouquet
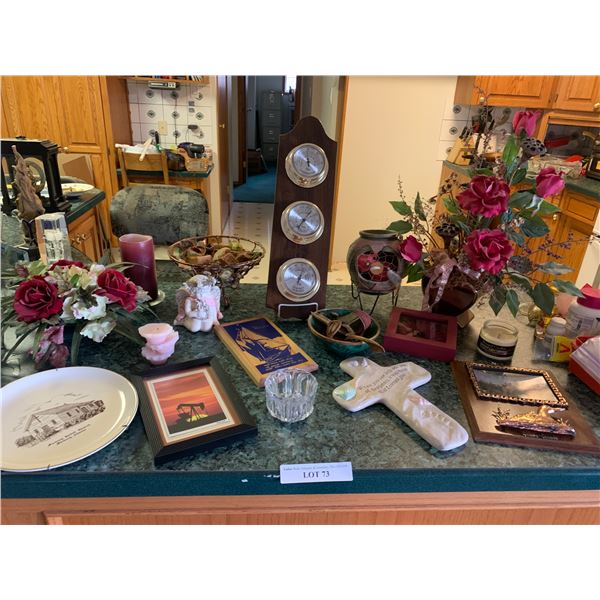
[95, 300]
[486, 230]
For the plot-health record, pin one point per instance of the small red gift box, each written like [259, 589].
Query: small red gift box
[581, 373]
[421, 334]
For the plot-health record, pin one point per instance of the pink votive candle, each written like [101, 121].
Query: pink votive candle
[139, 249]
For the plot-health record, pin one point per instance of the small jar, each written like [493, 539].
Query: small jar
[497, 340]
[583, 316]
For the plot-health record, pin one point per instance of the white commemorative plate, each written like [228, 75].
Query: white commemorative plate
[55, 418]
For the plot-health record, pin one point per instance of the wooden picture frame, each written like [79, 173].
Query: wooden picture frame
[484, 427]
[420, 333]
[213, 415]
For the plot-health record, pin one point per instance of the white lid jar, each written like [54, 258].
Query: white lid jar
[583, 316]
[497, 340]
[557, 326]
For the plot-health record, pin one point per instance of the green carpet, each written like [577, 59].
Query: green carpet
[258, 188]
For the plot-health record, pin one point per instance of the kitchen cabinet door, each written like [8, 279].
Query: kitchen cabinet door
[29, 108]
[580, 233]
[514, 90]
[84, 235]
[85, 122]
[81, 114]
[578, 93]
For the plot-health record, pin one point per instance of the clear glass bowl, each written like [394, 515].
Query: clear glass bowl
[291, 394]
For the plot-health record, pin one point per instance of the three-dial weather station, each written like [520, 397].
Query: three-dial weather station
[302, 217]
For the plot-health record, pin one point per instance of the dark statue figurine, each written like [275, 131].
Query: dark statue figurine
[29, 204]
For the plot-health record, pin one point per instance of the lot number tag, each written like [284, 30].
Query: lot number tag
[316, 472]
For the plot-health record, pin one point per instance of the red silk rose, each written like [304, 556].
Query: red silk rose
[548, 182]
[117, 288]
[36, 299]
[488, 249]
[486, 195]
[411, 249]
[63, 262]
[525, 120]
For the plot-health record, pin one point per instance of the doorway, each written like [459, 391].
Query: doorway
[268, 106]
[265, 111]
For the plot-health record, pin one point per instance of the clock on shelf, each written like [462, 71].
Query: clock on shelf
[302, 216]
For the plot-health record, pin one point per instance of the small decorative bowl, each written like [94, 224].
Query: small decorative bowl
[343, 347]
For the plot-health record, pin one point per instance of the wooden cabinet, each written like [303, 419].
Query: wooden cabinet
[85, 234]
[579, 232]
[570, 93]
[578, 93]
[23, 112]
[520, 91]
[576, 223]
[81, 114]
[467, 508]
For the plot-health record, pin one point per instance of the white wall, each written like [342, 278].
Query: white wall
[325, 92]
[392, 129]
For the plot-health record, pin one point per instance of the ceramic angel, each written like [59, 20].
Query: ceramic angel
[198, 303]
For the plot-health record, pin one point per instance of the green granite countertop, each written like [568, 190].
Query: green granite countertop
[583, 185]
[386, 455]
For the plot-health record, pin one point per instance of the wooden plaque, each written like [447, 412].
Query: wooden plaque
[261, 348]
[483, 424]
[307, 130]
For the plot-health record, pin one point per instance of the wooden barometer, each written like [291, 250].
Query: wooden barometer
[302, 216]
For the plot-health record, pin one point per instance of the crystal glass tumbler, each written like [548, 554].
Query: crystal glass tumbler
[291, 394]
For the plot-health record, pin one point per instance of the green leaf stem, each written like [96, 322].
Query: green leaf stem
[543, 297]
[554, 268]
[535, 227]
[567, 287]
[402, 207]
[498, 298]
[512, 301]
[419, 208]
[400, 226]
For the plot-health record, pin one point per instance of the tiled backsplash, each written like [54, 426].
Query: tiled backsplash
[457, 116]
[175, 110]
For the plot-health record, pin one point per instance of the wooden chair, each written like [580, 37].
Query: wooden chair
[130, 165]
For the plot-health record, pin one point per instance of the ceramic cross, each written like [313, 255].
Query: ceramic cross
[394, 387]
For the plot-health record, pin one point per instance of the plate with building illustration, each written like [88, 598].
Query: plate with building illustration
[55, 418]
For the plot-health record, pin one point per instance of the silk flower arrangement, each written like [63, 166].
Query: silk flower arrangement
[96, 300]
[484, 224]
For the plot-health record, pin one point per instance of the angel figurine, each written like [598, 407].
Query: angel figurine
[198, 303]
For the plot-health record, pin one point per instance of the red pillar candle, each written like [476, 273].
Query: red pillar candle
[139, 249]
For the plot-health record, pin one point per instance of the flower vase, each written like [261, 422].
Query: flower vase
[456, 300]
